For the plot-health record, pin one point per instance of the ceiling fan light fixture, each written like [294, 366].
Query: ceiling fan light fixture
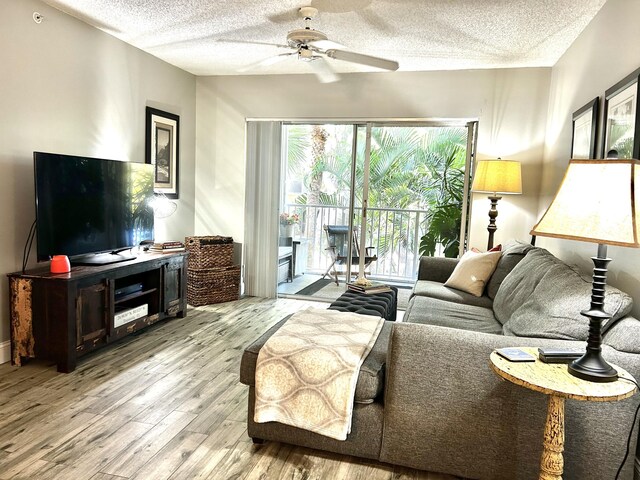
[305, 54]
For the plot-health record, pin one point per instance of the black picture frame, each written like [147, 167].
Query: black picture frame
[162, 149]
[584, 128]
[621, 119]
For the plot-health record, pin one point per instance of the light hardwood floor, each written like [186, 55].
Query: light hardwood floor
[162, 404]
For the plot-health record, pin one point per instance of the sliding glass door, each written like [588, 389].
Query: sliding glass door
[316, 195]
[416, 195]
[402, 187]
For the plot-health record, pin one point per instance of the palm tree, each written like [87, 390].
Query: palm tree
[318, 146]
[442, 186]
[410, 168]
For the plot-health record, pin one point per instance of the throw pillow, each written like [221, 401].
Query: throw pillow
[497, 248]
[473, 271]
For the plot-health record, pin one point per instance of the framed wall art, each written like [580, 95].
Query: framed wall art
[621, 119]
[584, 129]
[162, 149]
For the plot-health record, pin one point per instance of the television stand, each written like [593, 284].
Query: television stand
[60, 317]
[102, 258]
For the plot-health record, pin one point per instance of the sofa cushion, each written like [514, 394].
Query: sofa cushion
[370, 379]
[543, 297]
[512, 252]
[473, 272]
[427, 288]
[624, 335]
[432, 311]
[436, 269]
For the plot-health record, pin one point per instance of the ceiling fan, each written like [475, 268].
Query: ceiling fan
[313, 46]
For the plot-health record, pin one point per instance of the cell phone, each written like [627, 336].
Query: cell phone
[515, 355]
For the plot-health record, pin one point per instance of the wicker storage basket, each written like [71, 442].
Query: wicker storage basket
[209, 252]
[214, 285]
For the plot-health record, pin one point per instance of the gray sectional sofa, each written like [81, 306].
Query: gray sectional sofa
[427, 398]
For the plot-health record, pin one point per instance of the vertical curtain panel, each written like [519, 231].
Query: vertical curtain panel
[264, 158]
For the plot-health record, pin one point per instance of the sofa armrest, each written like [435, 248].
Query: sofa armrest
[436, 269]
[446, 410]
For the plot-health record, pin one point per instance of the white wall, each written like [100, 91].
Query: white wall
[69, 88]
[603, 54]
[511, 106]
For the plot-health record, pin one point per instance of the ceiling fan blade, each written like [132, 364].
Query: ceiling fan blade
[363, 59]
[326, 45]
[323, 70]
[267, 61]
[231, 40]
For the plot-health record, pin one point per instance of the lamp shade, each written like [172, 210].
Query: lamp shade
[497, 176]
[596, 202]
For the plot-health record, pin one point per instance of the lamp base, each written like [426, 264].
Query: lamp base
[593, 368]
[493, 213]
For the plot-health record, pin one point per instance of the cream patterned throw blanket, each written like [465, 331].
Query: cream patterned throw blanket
[307, 371]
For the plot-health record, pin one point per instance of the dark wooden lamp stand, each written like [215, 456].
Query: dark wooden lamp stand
[591, 366]
[493, 213]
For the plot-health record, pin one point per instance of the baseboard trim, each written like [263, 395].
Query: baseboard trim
[5, 351]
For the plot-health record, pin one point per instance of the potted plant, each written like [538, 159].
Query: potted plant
[444, 217]
[288, 223]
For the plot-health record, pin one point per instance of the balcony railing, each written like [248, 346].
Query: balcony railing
[395, 234]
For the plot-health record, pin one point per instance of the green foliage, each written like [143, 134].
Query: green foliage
[410, 168]
[443, 227]
[298, 144]
[443, 187]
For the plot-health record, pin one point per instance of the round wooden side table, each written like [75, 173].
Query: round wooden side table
[554, 380]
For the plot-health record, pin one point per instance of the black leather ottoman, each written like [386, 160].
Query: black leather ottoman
[384, 304]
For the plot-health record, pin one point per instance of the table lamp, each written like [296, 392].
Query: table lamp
[597, 202]
[496, 176]
[162, 206]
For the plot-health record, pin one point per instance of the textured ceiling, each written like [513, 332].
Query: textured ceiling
[215, 37]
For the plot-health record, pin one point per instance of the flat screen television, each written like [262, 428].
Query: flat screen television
[92, 210]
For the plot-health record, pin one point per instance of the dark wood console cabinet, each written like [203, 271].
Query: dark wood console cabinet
[60, 317]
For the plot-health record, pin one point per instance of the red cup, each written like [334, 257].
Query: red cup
[60, 264]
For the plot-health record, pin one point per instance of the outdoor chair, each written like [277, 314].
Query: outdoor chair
[338, 244]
